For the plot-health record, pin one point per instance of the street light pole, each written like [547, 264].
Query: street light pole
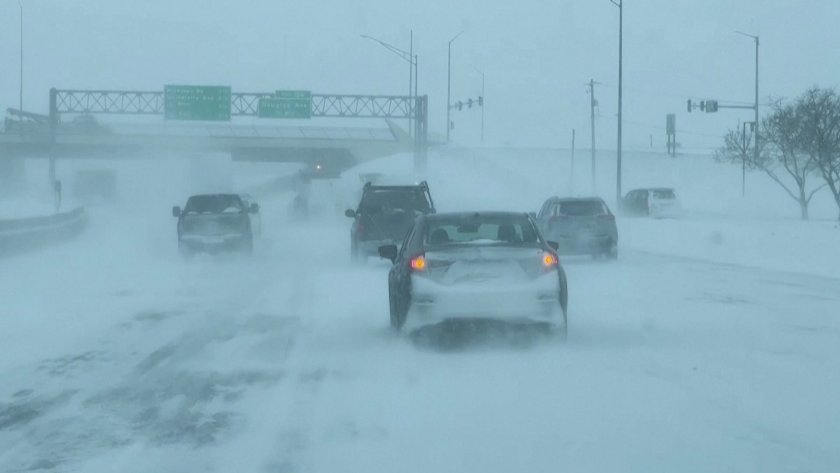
[756, 127]
[20, 105]
[449, 84]
[410, 73]
[620, 5]
[412, 63]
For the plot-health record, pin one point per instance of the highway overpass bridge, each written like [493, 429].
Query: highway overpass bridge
[74, 127]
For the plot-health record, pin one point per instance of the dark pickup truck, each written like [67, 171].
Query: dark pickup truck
[384, 216]
[215, 223]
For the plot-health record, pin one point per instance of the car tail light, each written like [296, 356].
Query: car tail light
[418, 263]
[607, 216]
[549, 260]
[360, 228]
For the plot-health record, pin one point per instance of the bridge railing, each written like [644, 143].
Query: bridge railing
[413, 108]
[126, 102]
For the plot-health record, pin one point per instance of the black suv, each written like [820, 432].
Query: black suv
[385, 215]
[215, 222]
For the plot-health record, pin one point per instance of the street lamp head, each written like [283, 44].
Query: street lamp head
[747, 35]
[456, 36]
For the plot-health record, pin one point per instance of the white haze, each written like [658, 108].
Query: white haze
[711, 344]
[536, 55]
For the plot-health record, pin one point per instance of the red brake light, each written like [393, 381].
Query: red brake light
[418, 263]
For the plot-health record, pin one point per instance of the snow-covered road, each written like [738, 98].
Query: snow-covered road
[119, 356]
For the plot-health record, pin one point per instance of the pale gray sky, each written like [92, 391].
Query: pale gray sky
[537, 55]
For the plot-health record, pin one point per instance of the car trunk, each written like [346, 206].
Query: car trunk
[215, 224]
[494, 265]
[580, 225]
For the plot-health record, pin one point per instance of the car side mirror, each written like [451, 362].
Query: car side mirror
[388, 252]
[176, 211]
[554, 245]
[254, 208]
[350, 213]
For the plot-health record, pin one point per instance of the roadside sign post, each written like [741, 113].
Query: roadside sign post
[671, 132]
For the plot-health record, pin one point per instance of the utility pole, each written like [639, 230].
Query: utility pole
[592, 104]
[620, 5]
[572, 173]
[449, 84]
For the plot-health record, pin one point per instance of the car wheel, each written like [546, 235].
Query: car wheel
[562, 331]
[185, 251]
[248, 247]
[399, 310]
[356, 256]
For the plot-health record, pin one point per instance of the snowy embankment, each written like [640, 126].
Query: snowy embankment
[773, 244]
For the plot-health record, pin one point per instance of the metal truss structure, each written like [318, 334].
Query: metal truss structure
[126, 102]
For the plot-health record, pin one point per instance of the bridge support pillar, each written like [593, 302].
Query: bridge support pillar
[421, 133]
[54, 118]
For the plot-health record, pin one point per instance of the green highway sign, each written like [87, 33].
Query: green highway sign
[293, 94]
[286, 104]
[196, 102]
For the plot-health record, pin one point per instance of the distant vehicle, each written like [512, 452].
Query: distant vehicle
[476, 267]
[384, 216]
[660, 202]
[215, 223]
[256, 218]
[580, 226]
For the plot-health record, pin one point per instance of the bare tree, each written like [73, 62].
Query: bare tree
[779, 158]
[820, 114]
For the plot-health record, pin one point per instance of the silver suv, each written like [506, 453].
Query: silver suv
[579, 226]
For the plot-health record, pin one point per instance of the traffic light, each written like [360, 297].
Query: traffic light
[711, 106]
[689, 105]
[702, 105]
[480, 100]
[460, 105]
[469, 103]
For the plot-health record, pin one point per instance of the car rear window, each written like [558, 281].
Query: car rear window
[583, 208]
[480, 229]
[664, 194]
[214, 204]
[383, 200]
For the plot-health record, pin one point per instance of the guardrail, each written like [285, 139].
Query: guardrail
[24, 233]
